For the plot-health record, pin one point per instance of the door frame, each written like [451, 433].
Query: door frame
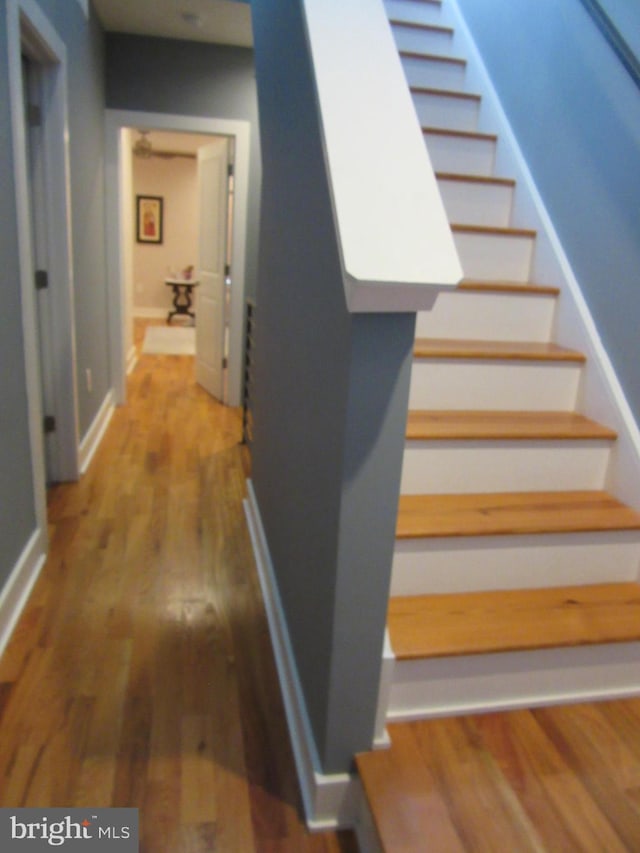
[115, 122]
[28, 28]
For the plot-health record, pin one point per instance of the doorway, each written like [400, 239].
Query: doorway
[169, 175]
[116, 201]
[38, 94]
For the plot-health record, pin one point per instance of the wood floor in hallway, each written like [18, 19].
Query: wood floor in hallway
[141, 672]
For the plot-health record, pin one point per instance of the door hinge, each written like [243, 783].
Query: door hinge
[225, 363]
[42, 279]
[227, 270]
[49, 424]
[34, 115]
[230, 170]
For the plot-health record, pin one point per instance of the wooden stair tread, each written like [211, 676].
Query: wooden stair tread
[462, 228]
[484, 286]
[496, 425]
[512, 513]
[414, 25]
[433, 57]
[475, 179]
[445, 93]
[503, 350]
[460, 134]
[513, 620]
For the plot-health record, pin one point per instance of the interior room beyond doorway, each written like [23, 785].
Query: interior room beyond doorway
[161, 226]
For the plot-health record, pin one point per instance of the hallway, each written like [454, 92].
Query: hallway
[141, 672]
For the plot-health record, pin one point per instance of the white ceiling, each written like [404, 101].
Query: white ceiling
[166, 141]
[222, 21]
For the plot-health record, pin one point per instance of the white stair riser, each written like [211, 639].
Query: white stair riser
[475, 683]
[457, 467]
[474, 203]
[446, 112]
[461, 155]
[417, 13]
[423, 41]
[494, 256]
[478, 563]
[489, 317]
[434, 74]
[515, 386]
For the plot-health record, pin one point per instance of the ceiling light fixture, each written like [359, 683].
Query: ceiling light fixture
[142, 147]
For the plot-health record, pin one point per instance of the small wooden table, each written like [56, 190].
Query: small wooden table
[182, 296]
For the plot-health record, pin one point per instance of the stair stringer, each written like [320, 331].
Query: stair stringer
[600, 395]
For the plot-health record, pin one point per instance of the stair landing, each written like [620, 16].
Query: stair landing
[562, 778]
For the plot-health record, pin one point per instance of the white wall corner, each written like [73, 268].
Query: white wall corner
[96, 431]
[16, 590]
[330, 801]
[381, 737]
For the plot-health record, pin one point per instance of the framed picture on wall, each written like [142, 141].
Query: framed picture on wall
[149, 218]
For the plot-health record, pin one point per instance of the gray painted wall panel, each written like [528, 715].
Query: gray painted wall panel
[329, 415]
[84, 55]
[576, 113]
[17, 514]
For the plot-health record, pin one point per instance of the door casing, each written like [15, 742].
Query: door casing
[30, 31]
[115, 122]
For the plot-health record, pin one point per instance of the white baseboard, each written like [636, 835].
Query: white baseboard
[330, 801]
[132, 359]
[16, 590]
[150, 313]
[93, 437]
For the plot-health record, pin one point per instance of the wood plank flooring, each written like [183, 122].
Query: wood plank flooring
[549, 779]
[141, 672]
[474, 623]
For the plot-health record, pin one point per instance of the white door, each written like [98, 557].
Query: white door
[210, 315]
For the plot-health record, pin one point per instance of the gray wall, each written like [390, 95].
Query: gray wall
[576, 113]
[195, 79]
[330, 409]
[84, 44]
[17, 514]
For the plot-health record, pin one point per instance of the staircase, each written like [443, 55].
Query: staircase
[515, 572]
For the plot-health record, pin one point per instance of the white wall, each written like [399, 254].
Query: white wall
[176, 181]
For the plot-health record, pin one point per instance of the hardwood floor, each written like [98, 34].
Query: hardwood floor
[564, 778]
[141, 672]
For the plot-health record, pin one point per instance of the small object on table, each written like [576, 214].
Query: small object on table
[182, 296]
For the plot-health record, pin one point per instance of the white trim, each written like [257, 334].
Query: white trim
[396, 244]
[93, 437]
[84, 5]
[382, 739]
[115, 121]
[151, 313]
[330, 801]
[132, 359]
[25, 20]
[16, 590]
[473, 684]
